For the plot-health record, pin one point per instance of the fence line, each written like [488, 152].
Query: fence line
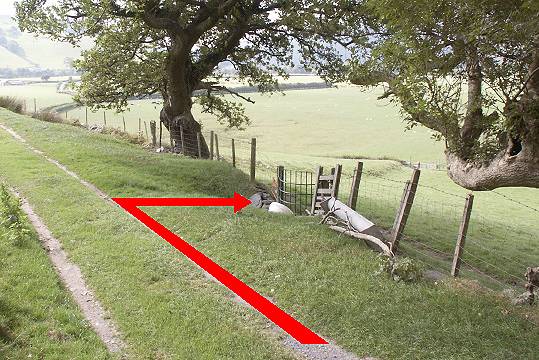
[433, 224]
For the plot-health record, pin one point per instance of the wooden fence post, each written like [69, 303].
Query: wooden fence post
[211, 145]
[336, 181]
[104, 119]
[86, 116]
[66, 115]
[404, 209]
[319, 171]
[139, 127]
[146, 130]
[459, 248]
[216, 147]
[280, 183]
[182, 140]
[160, 133]
[35, 105]
[356, 180]
[153, 130]
[170, 130]
[253, 159]
[123, 120]
[199, 144]
[233, 154]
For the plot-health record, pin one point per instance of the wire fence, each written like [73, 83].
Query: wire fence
[496, 252]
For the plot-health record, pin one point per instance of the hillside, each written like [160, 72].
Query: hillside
[22, 50]
[166, 308]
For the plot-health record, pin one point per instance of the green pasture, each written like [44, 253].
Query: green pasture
[336, 122]
[167, 309]
[307, 128]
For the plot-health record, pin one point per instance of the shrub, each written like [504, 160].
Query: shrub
[12, 218]
[48, 116]
[131, 138]
[12, 104]
[400, 269]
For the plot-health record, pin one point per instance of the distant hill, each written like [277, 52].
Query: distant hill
[25, 51]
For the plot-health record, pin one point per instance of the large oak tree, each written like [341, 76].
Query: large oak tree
[174, 47]
[469, 70]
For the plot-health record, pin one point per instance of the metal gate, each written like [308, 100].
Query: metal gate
[295, 189]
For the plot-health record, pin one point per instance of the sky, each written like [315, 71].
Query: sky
[7, 7]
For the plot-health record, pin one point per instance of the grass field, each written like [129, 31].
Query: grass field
[291, 131]
[38, 318]
[324, 122]
[166, 309]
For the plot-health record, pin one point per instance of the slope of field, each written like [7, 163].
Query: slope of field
[166, 308]
[11, 60]
[38, 50]
[38, 318]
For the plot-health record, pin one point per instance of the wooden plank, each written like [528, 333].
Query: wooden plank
[280, 184]
[319, 171]
[199, 144]
[153, 130]
[404, 209]
[182, 139]
[327, 177]
[336, 181]
[461, 239]
[354, 189]
[211, 145]
[216, 147]
[146, 130]
[233, 154]
[324, 191]
[253, 159]
[160, 133]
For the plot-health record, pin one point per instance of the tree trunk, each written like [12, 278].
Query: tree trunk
[190, 129]
[504, 170]
[177, 104]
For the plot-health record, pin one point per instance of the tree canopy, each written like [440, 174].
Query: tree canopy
[175, 47]
[469, 70]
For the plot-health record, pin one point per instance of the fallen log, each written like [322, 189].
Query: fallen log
[381, 246]
[355, 224]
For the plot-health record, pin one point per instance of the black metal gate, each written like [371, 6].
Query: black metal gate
[295, 189]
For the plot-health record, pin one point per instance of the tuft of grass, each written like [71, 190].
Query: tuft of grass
[38, 319]
[49, 116]
[12, 104]
[119, 134]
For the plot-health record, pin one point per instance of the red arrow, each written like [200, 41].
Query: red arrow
[237, 201]
[286, 322]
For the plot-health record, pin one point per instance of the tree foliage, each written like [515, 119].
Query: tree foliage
[175, 47]
[467, 70]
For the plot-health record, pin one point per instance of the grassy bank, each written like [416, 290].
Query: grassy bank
[38, 318]
[165, 307]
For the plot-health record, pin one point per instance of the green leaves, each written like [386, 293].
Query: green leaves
[11, 217]
[425, 57]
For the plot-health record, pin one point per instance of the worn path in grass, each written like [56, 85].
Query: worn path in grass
[181, 321]
[325, 281]
[38, 318]
[71, 275]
